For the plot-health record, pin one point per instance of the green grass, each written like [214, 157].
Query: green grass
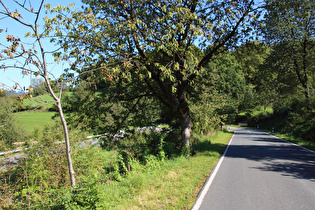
[171, 184]
[46, 101]
[258, 110]
[35, 119]
[304, 143]
[261, 110]
[38, 118]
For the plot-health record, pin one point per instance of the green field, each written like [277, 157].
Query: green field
[39, 117]
[42, 102]
[46, 101]
[258, 111]
[35, 119]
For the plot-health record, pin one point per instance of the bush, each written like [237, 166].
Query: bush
[295, 117]
[10, 129]
[139, 146]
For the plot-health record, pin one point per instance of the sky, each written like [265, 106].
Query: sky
[9, 77]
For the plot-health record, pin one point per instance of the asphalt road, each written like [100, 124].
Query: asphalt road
[260, 171]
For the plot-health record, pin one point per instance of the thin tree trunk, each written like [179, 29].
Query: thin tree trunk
[65, 129]
[67, 140]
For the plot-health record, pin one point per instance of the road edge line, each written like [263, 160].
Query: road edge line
[301, 147]
[210, 179]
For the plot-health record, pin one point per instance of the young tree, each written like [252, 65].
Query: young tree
[155, 42]
[35, 59]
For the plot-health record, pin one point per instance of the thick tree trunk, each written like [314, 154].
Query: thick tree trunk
[184, 117]
[186, 126]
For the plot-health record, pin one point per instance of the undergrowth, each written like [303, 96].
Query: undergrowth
[138, 173]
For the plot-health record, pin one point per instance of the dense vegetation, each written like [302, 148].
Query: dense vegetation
[170, 64]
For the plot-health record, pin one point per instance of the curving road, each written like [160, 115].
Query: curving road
[260, 171]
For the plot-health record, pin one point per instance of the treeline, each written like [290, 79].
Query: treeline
[135, 64]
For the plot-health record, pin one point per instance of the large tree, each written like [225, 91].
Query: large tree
[155, 42]
[290, 25]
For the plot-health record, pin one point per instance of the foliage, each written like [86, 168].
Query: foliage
[294, 117]
[290, 25]
[31, 55]
[11, 129]
[217, 95]
[143, 145]
[175, 182]
[251, 56]
[38, 86]
[154, 44]
[99, 111]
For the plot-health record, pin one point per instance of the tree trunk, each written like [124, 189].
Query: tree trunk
[65, 128]
[67, 140]
[186, 125]
[184, 117]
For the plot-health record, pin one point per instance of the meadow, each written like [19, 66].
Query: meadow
[32, 120]
[40, 111]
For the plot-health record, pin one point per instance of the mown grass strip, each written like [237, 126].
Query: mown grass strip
[35, 119]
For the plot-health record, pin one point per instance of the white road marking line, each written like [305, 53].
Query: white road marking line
[304, 148]
[209, 181]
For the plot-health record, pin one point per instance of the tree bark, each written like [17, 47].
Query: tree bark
[186, 126]
[184, 117]
[67, 140]
[65, 128]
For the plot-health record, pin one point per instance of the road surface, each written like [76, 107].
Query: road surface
[260, 171]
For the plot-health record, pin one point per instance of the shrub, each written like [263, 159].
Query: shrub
[10, 129]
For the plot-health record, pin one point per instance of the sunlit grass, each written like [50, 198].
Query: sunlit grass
[42, 101]
[35, 119]
[258, 110]
[304, 143]
[174, 184]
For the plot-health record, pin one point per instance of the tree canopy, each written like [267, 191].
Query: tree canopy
[154, 42]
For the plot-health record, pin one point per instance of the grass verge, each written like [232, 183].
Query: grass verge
[304, 143]
[171, 184]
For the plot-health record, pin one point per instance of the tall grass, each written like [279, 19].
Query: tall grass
[171, 183]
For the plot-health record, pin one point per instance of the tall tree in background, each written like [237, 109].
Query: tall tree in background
[155, 41]
[251, 56]
[32, 58]
[291, 26]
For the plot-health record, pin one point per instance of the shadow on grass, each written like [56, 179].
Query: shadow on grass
[207, 148]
